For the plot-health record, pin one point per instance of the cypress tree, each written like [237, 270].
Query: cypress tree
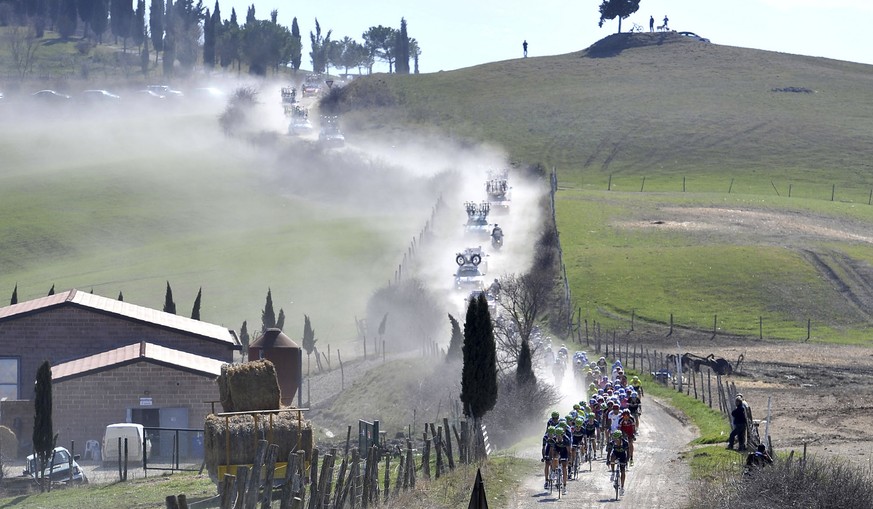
[244, 337]
[100, 19]
[268, 316]
[137, 31]
[156, 25]
[401, 50]
[169, 305]
[43, 435]
[52, 290]
[454, 351]
[280, 322]
[524, 373]
[308, 335]
[120, 296]
[479, 372]
[195, 312]
[296, 45]
[14, 295]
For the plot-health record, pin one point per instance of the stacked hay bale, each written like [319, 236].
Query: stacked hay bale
[251, 387]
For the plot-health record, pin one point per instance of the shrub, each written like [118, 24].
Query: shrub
[819, 483]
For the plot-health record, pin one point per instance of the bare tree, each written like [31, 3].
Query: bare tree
[23, 43]
[522, 299]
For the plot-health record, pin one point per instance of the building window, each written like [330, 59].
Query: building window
[9, 371]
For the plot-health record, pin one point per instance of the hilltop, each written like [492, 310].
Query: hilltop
[633, 102]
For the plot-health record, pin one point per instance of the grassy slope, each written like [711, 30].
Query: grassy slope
[675, 112]
[121, 205]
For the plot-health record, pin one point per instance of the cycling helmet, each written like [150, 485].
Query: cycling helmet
[577, 407]
[552, 430]
[616, 434]
[626, 411]
[580, 421]
[555, 414]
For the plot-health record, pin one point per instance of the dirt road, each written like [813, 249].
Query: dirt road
[657, 479]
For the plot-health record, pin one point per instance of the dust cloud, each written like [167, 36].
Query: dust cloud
[160, 174]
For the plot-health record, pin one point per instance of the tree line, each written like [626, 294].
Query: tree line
[184, 33]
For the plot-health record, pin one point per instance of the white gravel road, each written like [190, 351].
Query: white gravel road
[659, 478]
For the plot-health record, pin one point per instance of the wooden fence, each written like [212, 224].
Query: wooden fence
[345, 479]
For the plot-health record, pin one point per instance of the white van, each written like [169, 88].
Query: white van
[135, 436]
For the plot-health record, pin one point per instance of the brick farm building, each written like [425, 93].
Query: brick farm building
[111, 362]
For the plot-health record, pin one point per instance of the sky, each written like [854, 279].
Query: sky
[454, 34]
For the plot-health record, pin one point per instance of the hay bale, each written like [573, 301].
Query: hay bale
[8, 445]
[285, 431]
[249, 386]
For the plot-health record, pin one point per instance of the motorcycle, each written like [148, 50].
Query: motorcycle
[497, 238]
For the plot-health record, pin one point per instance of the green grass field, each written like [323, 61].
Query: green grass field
[126, 203]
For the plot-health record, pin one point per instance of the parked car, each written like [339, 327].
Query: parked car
[135, 435]
[99, 96]
[58, 469]
[166, 91]
[50, 96]
[694, 36]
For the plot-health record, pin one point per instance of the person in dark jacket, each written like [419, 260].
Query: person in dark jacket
[738, 418]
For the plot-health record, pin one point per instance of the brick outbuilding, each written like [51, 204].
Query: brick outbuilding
[74, 325]
[142, 382]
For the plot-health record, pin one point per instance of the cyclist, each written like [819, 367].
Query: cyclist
[619, 451]
[589, 432]
[562, 446]
[635, 405]
[613, 416]
[578, 438]
[628, 426]
[637, 385]
[549, 443]
[553, 420]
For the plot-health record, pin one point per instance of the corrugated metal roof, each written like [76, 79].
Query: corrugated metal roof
[133, 352]
[125, 309]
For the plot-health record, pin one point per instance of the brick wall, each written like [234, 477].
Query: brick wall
[70, 332]
[84, 406]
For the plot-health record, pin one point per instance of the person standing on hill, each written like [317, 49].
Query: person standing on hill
[524, 47]
[665, 22]
[651, 23]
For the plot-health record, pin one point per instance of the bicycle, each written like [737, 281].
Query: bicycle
[556, 475]
[616, 481]
[589, 453]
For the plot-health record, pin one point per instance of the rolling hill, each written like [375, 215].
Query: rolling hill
[726, 187]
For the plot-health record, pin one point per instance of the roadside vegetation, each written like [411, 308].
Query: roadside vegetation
[144, 493]
[815, 483]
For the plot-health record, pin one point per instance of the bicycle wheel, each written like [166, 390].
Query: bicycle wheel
[551, 479]
[561, 481]
[590, 450]
[576, 461]
[617, 482]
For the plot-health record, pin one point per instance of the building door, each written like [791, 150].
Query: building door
[173, 418]
[149, 418]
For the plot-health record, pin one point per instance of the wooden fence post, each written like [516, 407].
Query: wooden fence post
[448, 443]
[228, 491]
[242, 483]
[270, 470]
[313, 480]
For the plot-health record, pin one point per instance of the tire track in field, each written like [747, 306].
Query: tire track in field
[852, 281]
